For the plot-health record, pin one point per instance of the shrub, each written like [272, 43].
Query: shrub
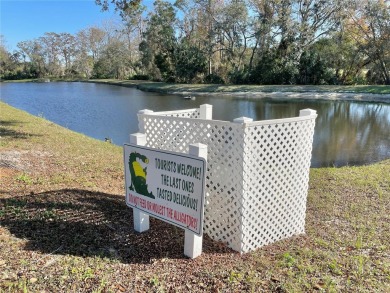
[314, 70]
[214, 78]
[140, 77]
[240, 77]
[272, 69]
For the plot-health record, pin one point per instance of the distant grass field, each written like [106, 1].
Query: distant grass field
[213, 88]
[64, 226]
[266, 88]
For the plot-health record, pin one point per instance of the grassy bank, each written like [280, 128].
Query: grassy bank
[64, 226]
[249, 89]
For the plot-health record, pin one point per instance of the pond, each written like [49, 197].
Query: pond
[346, 133]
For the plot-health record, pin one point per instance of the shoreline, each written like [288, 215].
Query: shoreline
[360, 93]
[286, 92]
[324, 96]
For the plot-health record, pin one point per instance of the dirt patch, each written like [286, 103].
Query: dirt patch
[12, 160]
[21, 171]
[22, 160]
[7, 172]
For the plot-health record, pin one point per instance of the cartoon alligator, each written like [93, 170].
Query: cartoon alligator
[138, 174]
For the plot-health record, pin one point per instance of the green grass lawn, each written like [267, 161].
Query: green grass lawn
[64, 226]
[264, 88]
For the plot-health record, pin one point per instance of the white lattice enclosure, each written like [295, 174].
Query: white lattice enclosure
[258, 172]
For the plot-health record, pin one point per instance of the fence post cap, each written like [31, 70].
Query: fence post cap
[145, 111]
[138, 138]
[199, 145]
[243, 120]
[198, 149]
[307, 112]
[137, 134]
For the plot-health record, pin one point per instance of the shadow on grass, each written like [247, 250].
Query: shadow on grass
[85, 223]
[6, 131]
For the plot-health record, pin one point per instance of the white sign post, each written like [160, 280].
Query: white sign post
[169, 186]
[141, 220]
[192, 242]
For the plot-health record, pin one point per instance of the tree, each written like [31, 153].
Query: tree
[96, 41]
[273, 68]
[233, 28]
[262, 22]
[190, 62]
[159, 43]
[113, 62]
[67, 48]
[313, 69]
[51, 51]
[90, 43]
[123, 6]
[84, 61]
[370, 28]
[133, 30]
[314, 19]
[34, 52]
[9, 63]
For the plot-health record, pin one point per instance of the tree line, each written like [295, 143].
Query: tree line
[219, 41]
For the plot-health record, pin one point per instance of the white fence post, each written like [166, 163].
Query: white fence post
[141, 220]
[141, 125]
[307, 112]
[243, 191]
[206, 111]
[192, 242]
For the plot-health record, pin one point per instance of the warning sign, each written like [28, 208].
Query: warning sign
[166, 185]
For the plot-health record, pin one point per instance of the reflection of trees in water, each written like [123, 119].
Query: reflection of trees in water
[345, 132]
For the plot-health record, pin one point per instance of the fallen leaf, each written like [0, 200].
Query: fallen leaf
[121, 288]
[318, 286]
[274, 279]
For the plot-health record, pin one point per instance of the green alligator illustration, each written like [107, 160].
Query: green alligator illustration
[138, 174]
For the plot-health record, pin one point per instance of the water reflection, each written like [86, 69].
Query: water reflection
[346, 133]
[350, 133]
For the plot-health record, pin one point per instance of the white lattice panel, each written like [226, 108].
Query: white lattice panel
[276, 174]
[257, 172]
[188, 113]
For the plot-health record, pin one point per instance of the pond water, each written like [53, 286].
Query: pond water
[346, 133]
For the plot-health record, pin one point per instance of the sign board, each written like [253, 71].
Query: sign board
[166, 185]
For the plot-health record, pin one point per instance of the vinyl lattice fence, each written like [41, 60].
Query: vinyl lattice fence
[258, 172]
